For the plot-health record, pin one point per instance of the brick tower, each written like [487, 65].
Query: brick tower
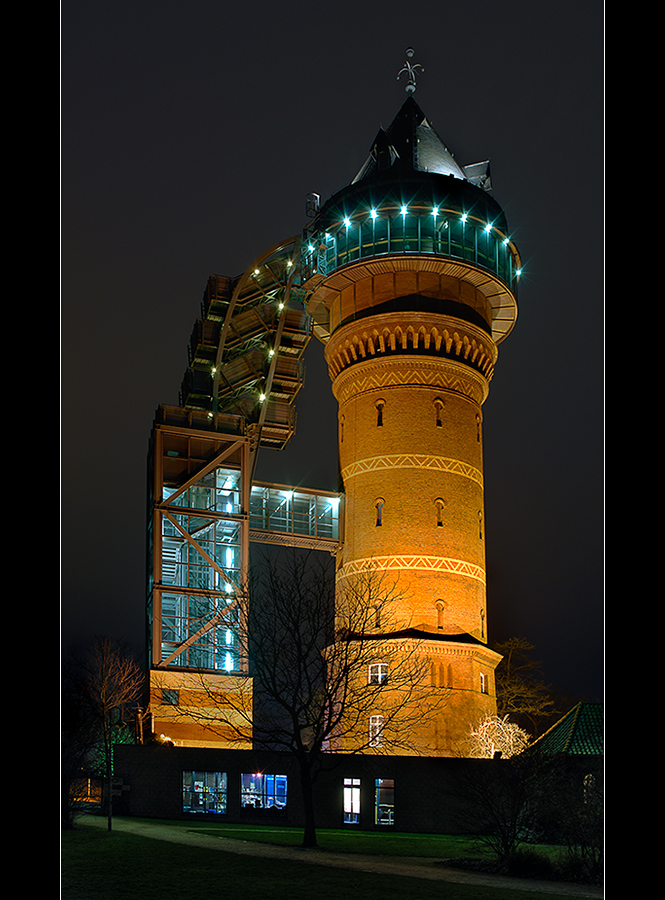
[412, 278]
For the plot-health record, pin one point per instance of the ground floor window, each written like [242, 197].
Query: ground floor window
[351, 801]
[204, 792]
[384, 801]
[263, 791]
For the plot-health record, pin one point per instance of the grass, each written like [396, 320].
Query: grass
[346, 841]
[98, 865]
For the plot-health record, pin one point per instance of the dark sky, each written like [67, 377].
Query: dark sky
[191, 133]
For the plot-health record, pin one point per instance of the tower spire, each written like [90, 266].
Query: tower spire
[410, 69]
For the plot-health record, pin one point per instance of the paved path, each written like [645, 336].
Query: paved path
[412, 867]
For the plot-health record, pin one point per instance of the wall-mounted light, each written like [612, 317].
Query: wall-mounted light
[464, 217]
[373, 214]
[347, 221]
[403, 210]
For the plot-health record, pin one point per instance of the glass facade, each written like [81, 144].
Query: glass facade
[351, 801]
[201, 570]
[384, 801]
[294, 512]
[204, 792]
[261, 791]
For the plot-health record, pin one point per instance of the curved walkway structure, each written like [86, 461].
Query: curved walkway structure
[410, 867]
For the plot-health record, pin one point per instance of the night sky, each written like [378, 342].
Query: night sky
[191, 134]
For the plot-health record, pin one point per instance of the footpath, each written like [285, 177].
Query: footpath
[412, 867]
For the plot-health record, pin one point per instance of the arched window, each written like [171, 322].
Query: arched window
[478, 424]
[341, 430]
[440, 609]
[440, 504]
[376, 731]
[377, 615]
[380, 404]
[480, 524]
[438, 410]
[379, 510]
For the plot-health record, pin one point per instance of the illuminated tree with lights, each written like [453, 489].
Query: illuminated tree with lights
[496, 736]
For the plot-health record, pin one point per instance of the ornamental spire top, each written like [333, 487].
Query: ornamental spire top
[410, 69]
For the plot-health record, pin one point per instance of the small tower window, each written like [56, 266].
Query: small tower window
[377, 615]
[438, 410]
[379, 511]
[440, 609]
[483, 683]
[480, 525]
[380, 404]
[341, 430]
[440, 504]
[478, 424]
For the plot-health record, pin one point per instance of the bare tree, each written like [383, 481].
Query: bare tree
[112, 682]
[521, 691]
[333, 669]
[79, 737]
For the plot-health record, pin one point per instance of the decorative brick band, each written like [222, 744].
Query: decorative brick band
[413, 563]
[413, 461]
[385, 373]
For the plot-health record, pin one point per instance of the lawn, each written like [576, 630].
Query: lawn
[98, 865]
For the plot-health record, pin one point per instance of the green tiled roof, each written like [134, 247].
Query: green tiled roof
[578, 733]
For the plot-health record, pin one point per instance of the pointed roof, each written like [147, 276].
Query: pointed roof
[411, 144]
[578, 733]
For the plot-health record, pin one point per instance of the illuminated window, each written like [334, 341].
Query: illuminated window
[261, 791]
[483, 683]
[351, 801]
[376, 731]
[378, 673]
[204, 792]
[384, 801]
[379, 510]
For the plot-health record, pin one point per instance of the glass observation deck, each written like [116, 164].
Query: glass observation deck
[415, 228]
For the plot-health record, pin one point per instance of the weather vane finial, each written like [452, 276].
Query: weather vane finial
[410, 69]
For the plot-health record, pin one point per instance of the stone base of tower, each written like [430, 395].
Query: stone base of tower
[462, 672]
[423, 695]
